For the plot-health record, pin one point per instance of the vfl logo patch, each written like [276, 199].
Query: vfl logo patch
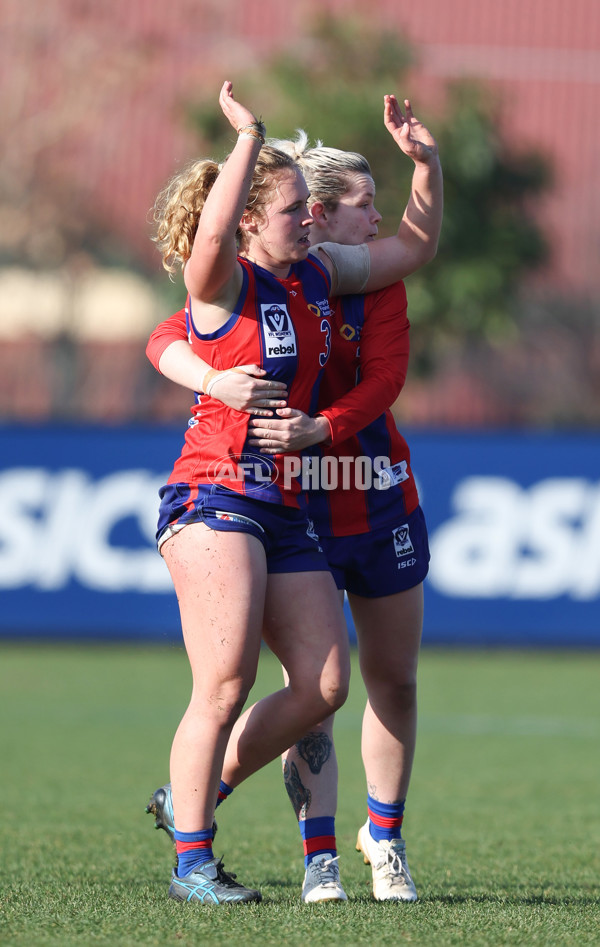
[402, 543]
[389, 476]
[278, 331]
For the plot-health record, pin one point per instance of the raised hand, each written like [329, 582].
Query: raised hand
[236, 114]
[411, 135]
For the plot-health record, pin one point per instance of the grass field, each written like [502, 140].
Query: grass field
[502, 822]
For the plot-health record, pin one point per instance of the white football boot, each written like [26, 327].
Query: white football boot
[391, 877]
[322, 880]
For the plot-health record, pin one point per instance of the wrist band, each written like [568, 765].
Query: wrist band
[212, 382]
[210, 375]
[253, 130]
[253, 136]
[216, 376]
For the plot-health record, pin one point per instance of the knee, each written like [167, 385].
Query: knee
[321, 693]
[405, 697]
[333, 692]
[228, 703]
[393, 681]
[399, 697]
[223, 701]
[340, 694]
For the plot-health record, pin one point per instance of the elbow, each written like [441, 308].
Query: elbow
[425, 254]
[431, 252]
[150, 352]
[393, 383]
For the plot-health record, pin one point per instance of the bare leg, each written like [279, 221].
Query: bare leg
[310, 769]
[304, 626]
[310, 773]
[222, 625]
[389, 635]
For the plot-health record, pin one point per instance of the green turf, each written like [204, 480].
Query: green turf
[502, 823]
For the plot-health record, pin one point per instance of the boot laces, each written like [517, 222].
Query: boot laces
[327, 870]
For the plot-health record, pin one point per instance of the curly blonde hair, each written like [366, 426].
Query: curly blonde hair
[178, 206]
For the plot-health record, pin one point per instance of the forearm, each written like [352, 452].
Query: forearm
[210, 273]
[364, 404]
[227, 198]
[384, 355]
[179, 363]
[170, 330]
[416, 240]
[214, 253]
[241, 387]
[319, 432]
[421, 224]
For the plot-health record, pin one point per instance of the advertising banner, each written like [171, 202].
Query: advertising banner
[513, 519]
[514, 522]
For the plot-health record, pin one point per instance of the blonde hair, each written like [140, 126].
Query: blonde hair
[178, 206]
[328, 171]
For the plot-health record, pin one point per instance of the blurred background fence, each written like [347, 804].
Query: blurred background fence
[99, 103]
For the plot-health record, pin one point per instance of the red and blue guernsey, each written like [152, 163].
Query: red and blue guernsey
[283, 325]
[368, 457]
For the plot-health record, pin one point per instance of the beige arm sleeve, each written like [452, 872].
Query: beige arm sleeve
[351, 266]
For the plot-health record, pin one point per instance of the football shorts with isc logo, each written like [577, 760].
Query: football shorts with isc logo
[382, 562]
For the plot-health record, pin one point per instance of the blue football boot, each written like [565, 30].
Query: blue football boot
[210, 884]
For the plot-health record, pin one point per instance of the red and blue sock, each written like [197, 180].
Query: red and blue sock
[193, 849]
[385, 821]
[224, 791]
[318, 836]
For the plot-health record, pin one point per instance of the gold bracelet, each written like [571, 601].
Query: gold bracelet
[254, 130]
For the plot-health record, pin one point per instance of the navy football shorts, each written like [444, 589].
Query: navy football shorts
[382, 562]
[290, 543]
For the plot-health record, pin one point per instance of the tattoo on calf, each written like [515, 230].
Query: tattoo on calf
[300, 796]
[315, 749]
[374, 794]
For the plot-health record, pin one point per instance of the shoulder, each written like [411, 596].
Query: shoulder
[389, 295]
[349, 266]
[319, 261]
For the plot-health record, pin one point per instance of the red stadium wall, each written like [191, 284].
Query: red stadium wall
[99, 90]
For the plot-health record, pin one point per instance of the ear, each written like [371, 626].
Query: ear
[248, 223]
[318, 213]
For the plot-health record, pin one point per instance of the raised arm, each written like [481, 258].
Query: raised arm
[212, 274]
[421, 224]
[415, 243]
